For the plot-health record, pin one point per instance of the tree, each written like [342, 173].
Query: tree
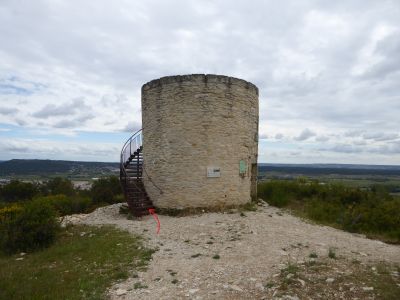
[58, 185]
[17, 190]
[105, 189]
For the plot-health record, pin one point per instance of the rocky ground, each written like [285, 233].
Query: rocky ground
[266, 254]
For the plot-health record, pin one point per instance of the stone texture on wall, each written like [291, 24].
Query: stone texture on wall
[192, 122]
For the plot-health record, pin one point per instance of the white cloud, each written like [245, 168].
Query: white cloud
[326, 65]
[46, 148]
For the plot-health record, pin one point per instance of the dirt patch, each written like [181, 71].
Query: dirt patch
[233, 256]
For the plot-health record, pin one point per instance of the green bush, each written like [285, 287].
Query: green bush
[17, 190]
[69, 205]
[324, 211]
[352, 209]
[105, 190]
[28, 227]
[277, 193]
[58, 185]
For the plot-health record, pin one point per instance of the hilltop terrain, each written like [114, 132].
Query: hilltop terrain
[266, 254]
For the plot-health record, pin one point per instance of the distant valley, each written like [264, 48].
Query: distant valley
[326, 169]
[28, 168]
[20, 168]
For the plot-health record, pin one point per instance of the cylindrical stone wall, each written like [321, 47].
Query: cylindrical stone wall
[200, 141]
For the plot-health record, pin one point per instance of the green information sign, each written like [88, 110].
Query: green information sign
[242, 167]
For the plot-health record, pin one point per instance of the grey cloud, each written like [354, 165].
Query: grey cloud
[85, 117]
[343, 148]
[131, 127]
[8, 110]
[379, 136]
[75, 122]
[119, 100]
[52, 110]
[390, 149]
[359, 142]
[278, 136]
[66, 124]
[387, 149]
[18, 86]
[295, 153]
[21, 122]
[353, 133]
[388, 49]
[53, 149]
[16, 148]
[322, 138]
[305, 134]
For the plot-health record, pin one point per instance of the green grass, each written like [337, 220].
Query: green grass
[139, 285]
[291, 268]
[82, 264]
[332, 253]
[384, 283]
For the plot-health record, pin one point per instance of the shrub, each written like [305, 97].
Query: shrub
[106, 189]
[9, 212]
[352, 209]
[276, 193]
[69, 205]
[323, 211]
[29, 227]
[58, 185]
[332, 253]
[17, 191]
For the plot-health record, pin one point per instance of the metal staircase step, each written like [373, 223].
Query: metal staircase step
[131, 178]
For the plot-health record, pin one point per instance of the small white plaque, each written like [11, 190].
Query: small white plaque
[213, 172]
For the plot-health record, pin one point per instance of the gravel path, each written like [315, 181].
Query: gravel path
[251, 249]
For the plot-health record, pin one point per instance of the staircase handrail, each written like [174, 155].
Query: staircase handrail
[133, 143]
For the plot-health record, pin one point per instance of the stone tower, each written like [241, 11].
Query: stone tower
[200, 141]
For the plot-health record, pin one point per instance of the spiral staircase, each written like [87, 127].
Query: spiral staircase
[131, 176]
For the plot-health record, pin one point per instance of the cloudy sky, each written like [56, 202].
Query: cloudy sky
[328, 73]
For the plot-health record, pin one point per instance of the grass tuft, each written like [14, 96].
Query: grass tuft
[139, 285]
[82, 264]
[332, 253]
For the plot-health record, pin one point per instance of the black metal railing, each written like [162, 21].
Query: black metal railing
[130, 148]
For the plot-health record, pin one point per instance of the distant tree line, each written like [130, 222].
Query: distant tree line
[46, 167]
[104, 190]
[310, 170]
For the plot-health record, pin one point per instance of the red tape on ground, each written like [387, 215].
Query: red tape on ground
[152, 211]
